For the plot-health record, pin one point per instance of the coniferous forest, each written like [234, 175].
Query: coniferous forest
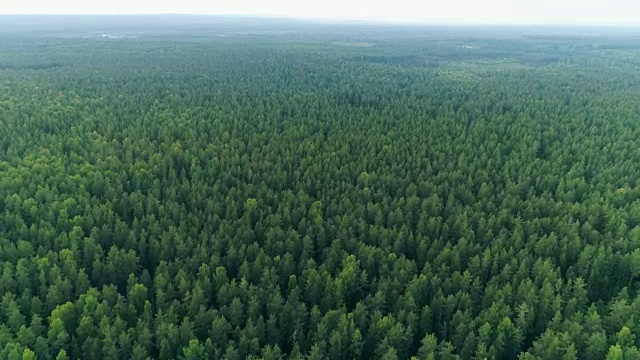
[220, 188]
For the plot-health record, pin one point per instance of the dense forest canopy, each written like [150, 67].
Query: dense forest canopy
[219, 188]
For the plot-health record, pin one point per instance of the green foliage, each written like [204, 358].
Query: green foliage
[385, 193]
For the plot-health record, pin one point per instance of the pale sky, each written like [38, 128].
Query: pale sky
[611, 12]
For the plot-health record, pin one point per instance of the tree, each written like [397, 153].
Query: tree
[62, 355]
[194, 351]
[28, 354]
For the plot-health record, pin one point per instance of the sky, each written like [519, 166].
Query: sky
[609, 12]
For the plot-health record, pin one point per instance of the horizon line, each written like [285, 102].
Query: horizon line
[347, 20]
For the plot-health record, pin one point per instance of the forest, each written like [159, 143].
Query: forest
[220, 188]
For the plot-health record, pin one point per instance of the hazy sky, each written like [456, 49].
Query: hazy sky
[466, 11]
